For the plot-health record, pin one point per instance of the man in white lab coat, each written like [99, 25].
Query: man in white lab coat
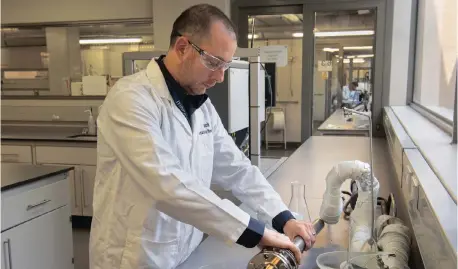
[161, 143]
[350, 95]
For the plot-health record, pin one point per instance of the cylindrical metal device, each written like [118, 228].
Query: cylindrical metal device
[276, 258]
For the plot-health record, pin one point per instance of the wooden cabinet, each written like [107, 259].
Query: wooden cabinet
[42, 242]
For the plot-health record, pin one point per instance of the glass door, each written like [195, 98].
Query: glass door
[343, 67]
[343, 54]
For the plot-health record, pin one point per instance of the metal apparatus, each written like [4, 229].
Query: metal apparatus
[275, 258]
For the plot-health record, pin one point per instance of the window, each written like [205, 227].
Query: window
[435, 58]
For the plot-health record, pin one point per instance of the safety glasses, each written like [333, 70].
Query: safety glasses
[211, 62]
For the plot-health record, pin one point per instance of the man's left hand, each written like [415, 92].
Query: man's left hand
[303, 229]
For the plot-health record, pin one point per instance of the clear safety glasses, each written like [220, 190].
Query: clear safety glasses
[211, 62]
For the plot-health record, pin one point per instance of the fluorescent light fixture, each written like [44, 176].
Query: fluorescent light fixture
[291, 17]
[358, 48]
[299, 34]
[331, 49]
[344, 33]
[251, 36]
[355, 61]
[110, 41]
[366, 56]
[351, 56]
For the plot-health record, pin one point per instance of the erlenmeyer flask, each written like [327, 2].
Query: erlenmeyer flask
[298, 204]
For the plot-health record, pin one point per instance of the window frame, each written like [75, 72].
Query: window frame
[447, 125]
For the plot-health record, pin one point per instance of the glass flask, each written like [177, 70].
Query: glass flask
[298, 205]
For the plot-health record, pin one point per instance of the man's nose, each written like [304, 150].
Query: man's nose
[219, 75]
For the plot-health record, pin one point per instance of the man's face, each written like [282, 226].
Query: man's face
[195, 74]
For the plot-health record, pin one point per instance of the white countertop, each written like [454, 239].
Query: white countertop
[338, 123]
[310, 165]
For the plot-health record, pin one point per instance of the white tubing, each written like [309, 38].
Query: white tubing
[331, 207]
[394, 237]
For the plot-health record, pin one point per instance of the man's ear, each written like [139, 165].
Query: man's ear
[181, 45]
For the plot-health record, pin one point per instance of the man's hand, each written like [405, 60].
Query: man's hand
[303, 229]
[272, 238]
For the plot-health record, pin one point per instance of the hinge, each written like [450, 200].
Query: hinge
[70, 218]
[73, 260]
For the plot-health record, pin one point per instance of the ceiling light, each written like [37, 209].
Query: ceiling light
[298, 34]
[250, 36]
[331, 49]
[355, 61]
[110, 41]
[291, 17]
[344, 33]
[358, 48]
[351, 56]
[366, 56]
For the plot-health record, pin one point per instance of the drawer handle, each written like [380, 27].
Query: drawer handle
[38, 204]
[7, 254]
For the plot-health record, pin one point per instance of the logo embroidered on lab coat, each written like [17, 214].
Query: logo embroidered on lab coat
[207, 130]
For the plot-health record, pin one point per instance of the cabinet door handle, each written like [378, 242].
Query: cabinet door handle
[414, 190]
[38, 204]
[74, 190]
[7, 254]
[84, 188]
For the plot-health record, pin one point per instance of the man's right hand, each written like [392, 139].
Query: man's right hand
[272, 238]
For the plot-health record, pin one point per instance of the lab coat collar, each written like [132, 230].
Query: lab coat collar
[154, 74]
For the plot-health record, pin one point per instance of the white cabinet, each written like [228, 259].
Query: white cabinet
[16, 154]
[81, 180]
[87, 177]
[42, 242]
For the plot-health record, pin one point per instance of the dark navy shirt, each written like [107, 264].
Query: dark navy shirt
[185, 102]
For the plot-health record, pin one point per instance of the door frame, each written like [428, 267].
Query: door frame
[241, 9]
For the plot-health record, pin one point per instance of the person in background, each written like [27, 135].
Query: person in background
[350, 95]
[161, 144]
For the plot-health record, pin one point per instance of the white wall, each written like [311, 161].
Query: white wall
[402, 17]
[39, 11]
[435, 69]
[165, 13]
[289, 88]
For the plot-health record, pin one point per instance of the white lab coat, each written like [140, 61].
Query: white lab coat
[152, 194]
[350, 97]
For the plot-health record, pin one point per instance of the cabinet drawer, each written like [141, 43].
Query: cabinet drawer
[16, 154]
[30, 204]
[66, 155]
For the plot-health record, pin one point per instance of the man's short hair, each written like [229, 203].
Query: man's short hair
[355, 84]
[197, 20]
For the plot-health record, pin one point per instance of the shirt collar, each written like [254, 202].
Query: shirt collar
[177, 91]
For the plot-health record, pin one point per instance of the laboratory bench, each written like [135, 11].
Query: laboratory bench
[340, 124]
[36, 229]
[309, 164]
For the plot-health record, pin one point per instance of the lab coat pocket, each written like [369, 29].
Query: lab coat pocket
[160, 255]
[145, 253]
